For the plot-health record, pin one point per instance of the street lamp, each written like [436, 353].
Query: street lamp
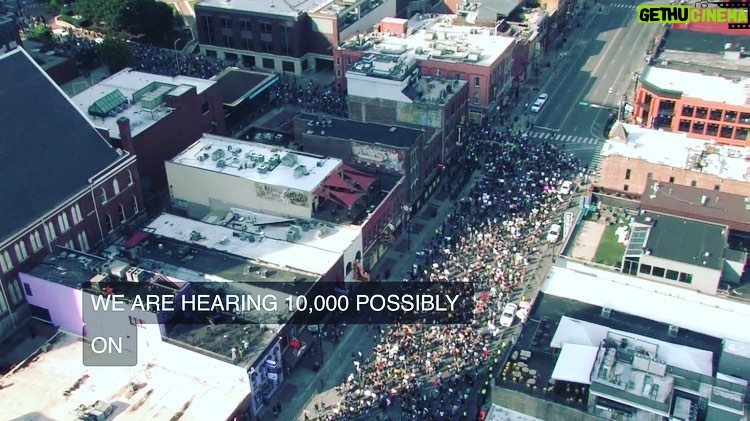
[177, 56]
[407, 226]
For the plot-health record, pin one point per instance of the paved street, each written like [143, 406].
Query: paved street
[590, 74]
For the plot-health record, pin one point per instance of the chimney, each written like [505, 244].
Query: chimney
[123, 124]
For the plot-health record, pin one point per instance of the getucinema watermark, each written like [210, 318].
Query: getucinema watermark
[735, 16]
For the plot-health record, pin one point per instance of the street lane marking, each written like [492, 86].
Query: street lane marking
[558, 137]
[546, 135]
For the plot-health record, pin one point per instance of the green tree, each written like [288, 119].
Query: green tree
[40, 33]
[150, 17]
[115, 53]
[108, 11]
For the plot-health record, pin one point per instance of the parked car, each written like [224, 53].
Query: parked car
[554, 233]
[539, 103]
[509, 314]
[566, 187]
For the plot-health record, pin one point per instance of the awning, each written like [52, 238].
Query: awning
[335, 180]
[292, 356]
[351, 170]
[347, 199]
[363, 181]
[135, 239]
[575, 363]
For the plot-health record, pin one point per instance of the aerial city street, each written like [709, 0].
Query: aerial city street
[243, 210]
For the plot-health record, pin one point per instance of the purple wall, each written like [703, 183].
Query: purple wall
[64, 303]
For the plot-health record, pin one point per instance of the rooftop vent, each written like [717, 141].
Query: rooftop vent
[606, 313]
[673, 331]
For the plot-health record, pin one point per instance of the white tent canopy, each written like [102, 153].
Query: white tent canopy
[575, 363]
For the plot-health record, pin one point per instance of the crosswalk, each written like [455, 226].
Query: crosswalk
[624, 6]
[562, 138]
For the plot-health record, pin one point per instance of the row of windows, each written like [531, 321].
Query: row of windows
[35, 239]
[247, 25]
[14, 295]
[715, 114]
[115, 187]
[713, 129]
[660, 272]
[650, 176]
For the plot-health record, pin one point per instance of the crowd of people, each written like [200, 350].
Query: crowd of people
[312, 97]
[489, 241]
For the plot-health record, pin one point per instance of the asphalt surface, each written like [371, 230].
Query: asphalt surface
[589, 75]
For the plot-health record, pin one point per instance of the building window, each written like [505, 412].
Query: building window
[657, 271]
[102, 196]
[698, 127]
[338, 61]
[671, 179]
[231, 57]
[715, 115]
[13, 294]
[49, 229]
[266, 47]
[226, 41]
[287, 66]
[83, 241]
[650, 176]
[684, 126]
[21, 252]
[27, 289]
[225, 22]
[108, 227]
[247, 44]
[268, 63]
[741, 133]
[712, 129]
[730, 116]
[625, 187]
[645, 269]
[338, 73]
[672, 275]
[717, 187]
[437, 72]
[62, 222]
[121, 213]
[686, 278]
[17, 290]
[3, 304]
[5, 263]
[135, 205]
[476, 81]
[726, 132]
[701, 112]
[745, 118]
[36, 241]
[475, 100]
[75, 211]
[627, 174]
[693, 183]
[248, 61]
[246, 25]
[265, 28]
[688, 110]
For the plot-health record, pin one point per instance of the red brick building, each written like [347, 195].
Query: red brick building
[705, 106]
[53, 197]
[152, 116]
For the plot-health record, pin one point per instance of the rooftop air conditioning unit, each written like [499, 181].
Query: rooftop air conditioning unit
[606, 313]
[673, 330]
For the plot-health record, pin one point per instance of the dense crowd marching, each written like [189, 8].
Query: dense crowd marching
[489, 240]
[312, 97]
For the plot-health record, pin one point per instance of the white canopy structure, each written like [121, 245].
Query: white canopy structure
[575, 363]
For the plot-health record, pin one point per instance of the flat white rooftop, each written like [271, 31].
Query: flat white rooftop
[501, 413]
[698, 85]
[713, 316]
[36, 391]
[246, 159]
[128, 82]
[677, 150]
[437, 39]
[290, 8]
[309, 254]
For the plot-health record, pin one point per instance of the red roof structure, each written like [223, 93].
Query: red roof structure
[347, 199]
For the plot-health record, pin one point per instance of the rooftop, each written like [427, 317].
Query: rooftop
[500, 413]
[436, 39]
[653, 302]
[489, 10]
[678, 150]
[286, 8]
[374, 133]
[684, 50]
[698, 85]
[257, 162]
[312, 254]
[350, 11]
[137, 96]
[58, 369]
[44, 138]
[714, 206]
[237, 85]
[684, 240]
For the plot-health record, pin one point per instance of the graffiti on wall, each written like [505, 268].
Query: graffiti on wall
[268, 192]
[296, 198]
[389, 159]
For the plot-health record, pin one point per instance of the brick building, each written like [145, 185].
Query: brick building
[636, 155]
[705, 106]
[282, 36]
[153, 116]
[442, 49]
[389, 90]
[53, 197]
